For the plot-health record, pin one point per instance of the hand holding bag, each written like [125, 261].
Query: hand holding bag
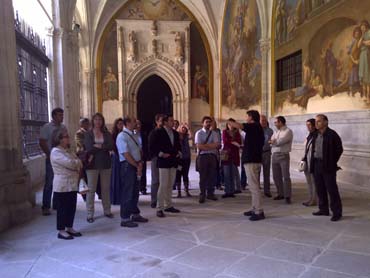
[82, 187]
[302, 166]
[224, 155]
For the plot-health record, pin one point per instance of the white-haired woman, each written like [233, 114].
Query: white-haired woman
[66, 166]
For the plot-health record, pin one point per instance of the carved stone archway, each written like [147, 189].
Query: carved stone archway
[169, 74]
[147, 47]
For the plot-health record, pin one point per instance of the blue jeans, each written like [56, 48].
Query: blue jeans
[48, 187]
[129, 191]
[231, 174]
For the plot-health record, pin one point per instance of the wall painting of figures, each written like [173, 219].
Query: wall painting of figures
[241, 59]
[334, 36]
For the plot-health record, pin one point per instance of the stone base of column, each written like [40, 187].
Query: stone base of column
[16, 198]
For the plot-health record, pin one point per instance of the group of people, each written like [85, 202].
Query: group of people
[116, 162]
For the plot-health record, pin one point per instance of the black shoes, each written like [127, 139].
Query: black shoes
[153, 205]
[65, 237]
[228, 195]
[320, 213]
[202, 199]
[257, 216]
[90, 219]
[74, 234]
[139, 218]
[160, 214]
[268, 195]
[129, 224]
[46, 211]
[278, 197]
[109, 215]
[237, 191]
[172, 209]
[336, 218]
[249, 213]
[212, 197]
[288, 201]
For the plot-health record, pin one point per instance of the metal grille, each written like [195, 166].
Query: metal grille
[32, 73]
[289, 72]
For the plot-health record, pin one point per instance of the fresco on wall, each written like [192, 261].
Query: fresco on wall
[241, 58]
[199, 67]
[109, 67]
[157, 10]
[290, 14]
[336, 61]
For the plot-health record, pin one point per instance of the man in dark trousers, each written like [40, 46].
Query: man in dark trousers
[208, 144]
[169, 153]
[153, 153]
[327, 149]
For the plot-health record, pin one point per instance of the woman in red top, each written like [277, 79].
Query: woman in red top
[230, 159]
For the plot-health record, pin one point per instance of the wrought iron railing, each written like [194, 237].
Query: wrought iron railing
[32, 65]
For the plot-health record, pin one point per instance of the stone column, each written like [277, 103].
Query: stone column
[87, 92]
[266, 85]
[65, 65]
[15, 187]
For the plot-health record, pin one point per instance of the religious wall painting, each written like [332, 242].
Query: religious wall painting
[335, 68]
[109, 68]
[241, 57]
[199, 67]
[291, 14]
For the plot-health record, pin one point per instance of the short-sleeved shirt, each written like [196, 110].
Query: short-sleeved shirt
[47, 130]
[201, 136]
[127, 143]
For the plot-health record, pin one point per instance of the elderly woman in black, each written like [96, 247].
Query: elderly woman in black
[66, 166]
[98, 144]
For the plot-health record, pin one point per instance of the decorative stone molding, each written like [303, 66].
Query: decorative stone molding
[165, 53]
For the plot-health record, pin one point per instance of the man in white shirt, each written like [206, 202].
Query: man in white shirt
[131, 167]
[281, 145]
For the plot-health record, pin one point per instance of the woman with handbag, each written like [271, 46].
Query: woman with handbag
[183, 171]
[98, 144]
[66, 166]
[230, 159]
[115, 183]
[305, 164]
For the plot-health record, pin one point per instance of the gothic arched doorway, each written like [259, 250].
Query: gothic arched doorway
[154, 96]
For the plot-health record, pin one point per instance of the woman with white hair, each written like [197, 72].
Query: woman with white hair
[66, 166]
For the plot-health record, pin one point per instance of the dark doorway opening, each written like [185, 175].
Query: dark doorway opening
[154, 96]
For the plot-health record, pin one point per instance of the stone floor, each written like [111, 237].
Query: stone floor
[209, 240]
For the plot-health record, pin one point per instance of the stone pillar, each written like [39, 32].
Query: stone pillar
[87, 103]
[65, 65]
[266, 85]
[15, 186]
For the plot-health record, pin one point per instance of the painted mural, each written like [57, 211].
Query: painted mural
[109, 67]
[336, 55]
[157, 10]
[241, 58]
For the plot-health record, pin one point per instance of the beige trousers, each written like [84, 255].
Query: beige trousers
[166, 179]
[252, 171]
[92, 180]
